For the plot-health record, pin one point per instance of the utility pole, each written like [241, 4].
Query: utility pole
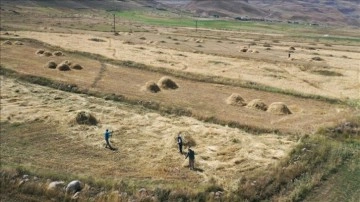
[114, 24]
[196, 24]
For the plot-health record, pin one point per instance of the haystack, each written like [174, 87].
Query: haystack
[278, 108]
[40, 52]
[235, 99]
[51, 65]
[19, 43]
[244, 50]
[47, 54]
[7, 42]
[152, 87]
[167, 83]
[85, 118]
[58, 53]
[76, 66]
[257, 104]
[317, 59]
[63, 66]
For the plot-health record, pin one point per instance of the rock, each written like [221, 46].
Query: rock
[55, 185]
[73, 187]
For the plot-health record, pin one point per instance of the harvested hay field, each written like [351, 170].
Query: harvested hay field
[201, 99]
[138, 134]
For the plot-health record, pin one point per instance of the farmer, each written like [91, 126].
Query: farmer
[107, 136]
[180, 142]
[191, 155]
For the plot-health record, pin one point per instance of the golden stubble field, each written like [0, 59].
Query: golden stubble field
[147, 151]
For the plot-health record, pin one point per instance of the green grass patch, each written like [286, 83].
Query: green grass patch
[314, 160]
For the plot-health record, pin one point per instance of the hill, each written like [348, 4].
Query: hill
[338, 12]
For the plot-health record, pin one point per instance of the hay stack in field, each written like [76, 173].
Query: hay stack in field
[7, 42]
[152, 87]
[85, 118]
[47, 54]
[279, 108]
[40, 52]
[51, 65]
[257, 104]
[58, 53]
[235, 99]
[244, 50]
[167, 83]
[76, 66]
[64, 66]
[317, 59]
[19, 43]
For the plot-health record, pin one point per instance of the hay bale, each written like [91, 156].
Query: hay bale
[76, 66]
[279, 108]
[7, 42]
[317, 59]
[63, 66]
[257, 104]
[85, 118]
[51, 65]
[292, 48]
[152, 87]
[58, 53]
[244, 50]
[19, 43]
[235, 99]
[40, 52]
[47, 54]
[167, 83]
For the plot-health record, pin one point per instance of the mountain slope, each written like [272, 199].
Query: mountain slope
[338, 12]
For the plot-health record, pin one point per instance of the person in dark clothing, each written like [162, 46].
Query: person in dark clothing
[191, 155]
[107, 136]
[180, 142]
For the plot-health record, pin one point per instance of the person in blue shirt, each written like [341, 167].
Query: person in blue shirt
[107, 136]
